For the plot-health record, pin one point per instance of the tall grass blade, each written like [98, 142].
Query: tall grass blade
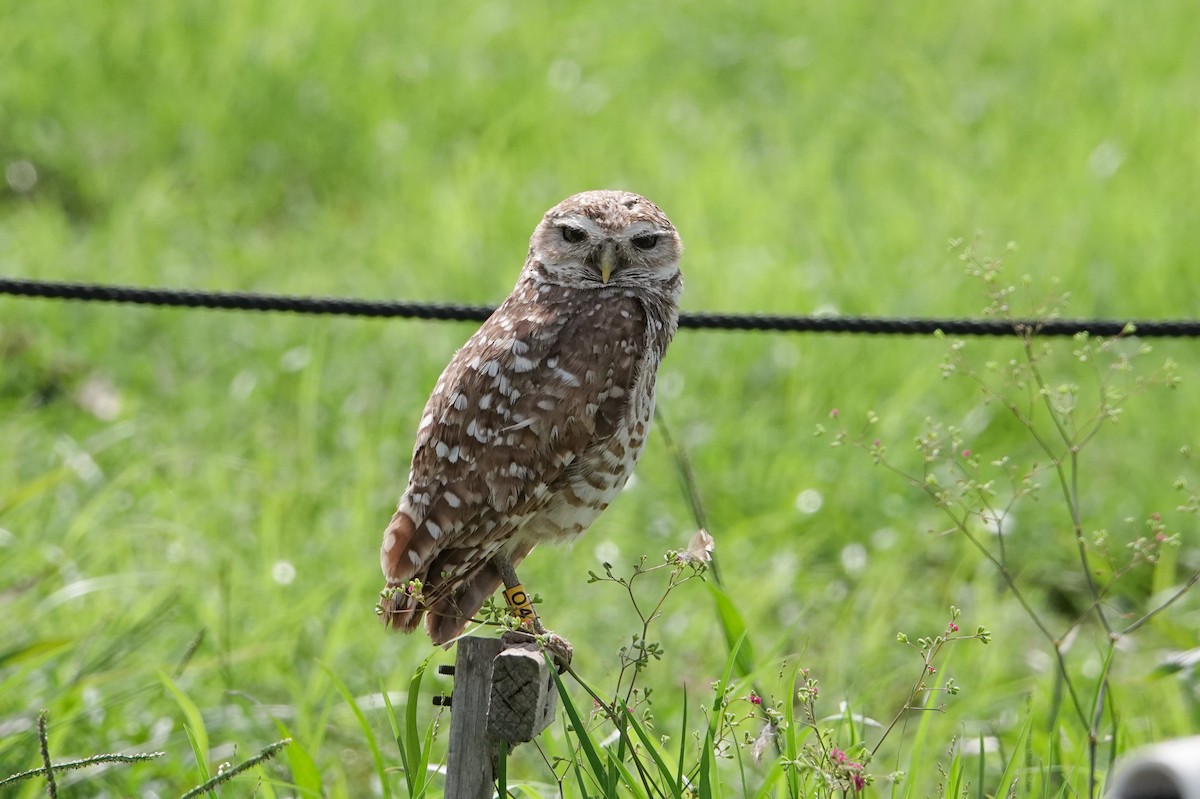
[414, 757]
[651, 747]
[1013, 767]
[683, 739]
[595, 761]
[791, 737]
[306, 775]
[197, 733]
[708, 787]
[733, 625]
[368, 734]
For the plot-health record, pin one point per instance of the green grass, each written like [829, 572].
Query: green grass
[199, 559]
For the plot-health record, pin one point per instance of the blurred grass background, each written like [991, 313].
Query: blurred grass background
[166, 472]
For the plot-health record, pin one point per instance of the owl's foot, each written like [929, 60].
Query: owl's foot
[559, 648]
[519, 602]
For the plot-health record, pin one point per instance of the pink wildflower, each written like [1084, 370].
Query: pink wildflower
[953, 627]
[837, 755]
[755, 699]
[858, 782]
[966, 453]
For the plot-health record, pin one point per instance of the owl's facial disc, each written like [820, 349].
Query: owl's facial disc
[605, 252]
[606, 239]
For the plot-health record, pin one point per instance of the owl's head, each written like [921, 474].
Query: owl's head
[607, 238]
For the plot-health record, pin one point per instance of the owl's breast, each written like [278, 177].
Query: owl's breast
[597, 476]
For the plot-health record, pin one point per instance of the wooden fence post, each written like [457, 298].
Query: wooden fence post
[503, 694]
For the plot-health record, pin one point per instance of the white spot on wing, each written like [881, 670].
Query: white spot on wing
[568, 378]
[434, 530]
[521, 425]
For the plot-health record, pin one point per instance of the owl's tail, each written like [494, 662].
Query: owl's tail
[399, 604]
[444, 587]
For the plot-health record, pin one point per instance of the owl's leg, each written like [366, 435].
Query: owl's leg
[515, 594]
[518, 600]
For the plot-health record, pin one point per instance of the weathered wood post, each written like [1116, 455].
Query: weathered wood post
[469, 761]
[503, 694]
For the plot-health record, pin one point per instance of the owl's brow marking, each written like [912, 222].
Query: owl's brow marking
[641, 229]
[583, 223]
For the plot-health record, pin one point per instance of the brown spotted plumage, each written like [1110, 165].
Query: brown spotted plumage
[537, 422]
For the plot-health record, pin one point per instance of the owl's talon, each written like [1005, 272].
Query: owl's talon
[560, 649]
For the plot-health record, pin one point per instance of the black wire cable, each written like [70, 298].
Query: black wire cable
[240, 301]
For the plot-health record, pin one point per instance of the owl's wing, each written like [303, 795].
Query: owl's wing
[542, 379]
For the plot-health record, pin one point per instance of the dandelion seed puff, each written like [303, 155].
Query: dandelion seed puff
[809, 501]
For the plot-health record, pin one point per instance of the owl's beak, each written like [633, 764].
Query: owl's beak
[606, 262]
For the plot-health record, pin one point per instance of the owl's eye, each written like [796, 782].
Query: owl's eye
[572, 234]
[646, 241]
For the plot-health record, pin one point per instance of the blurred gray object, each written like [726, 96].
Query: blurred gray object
[1169, 770]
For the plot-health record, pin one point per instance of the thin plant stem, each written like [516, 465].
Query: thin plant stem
[44, 745]
[1097, 715]
[70, 765]
[1068, 480]
[916, 689]
[266, 754]
[1195, 578]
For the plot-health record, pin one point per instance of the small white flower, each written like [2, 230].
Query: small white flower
[699, 548]
[283, 572]
[809, 501]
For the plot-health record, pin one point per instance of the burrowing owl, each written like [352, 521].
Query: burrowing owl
[537, 422]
